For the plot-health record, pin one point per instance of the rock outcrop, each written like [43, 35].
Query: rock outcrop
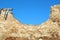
[12, 29]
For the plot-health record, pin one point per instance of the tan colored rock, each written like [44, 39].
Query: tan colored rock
[12, 29]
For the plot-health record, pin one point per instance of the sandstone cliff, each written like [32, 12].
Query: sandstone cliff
[12, 29]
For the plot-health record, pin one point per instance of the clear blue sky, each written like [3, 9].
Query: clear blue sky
[30, 11]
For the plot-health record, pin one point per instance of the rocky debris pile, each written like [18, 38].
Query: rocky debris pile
[11, 29]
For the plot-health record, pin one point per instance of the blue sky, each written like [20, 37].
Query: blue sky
[30, 11]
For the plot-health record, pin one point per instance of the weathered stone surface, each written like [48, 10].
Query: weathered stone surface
[11, 29]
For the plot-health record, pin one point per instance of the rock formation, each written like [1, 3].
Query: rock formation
[12, 29]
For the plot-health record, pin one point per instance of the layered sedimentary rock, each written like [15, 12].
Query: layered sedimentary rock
[12, 29]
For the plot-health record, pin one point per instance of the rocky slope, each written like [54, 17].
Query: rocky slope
[11, 29]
